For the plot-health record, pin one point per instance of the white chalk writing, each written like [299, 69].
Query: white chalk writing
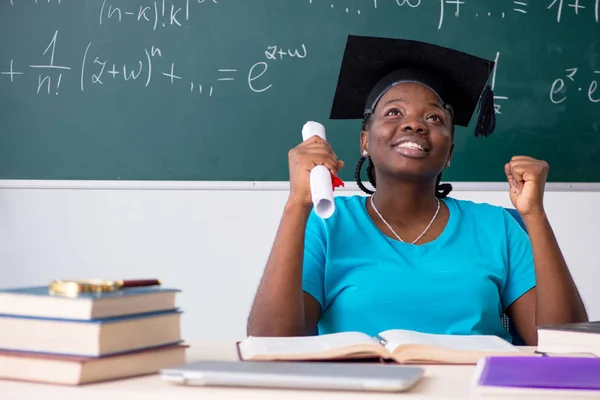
[99, 68]
[559, 90]
[159, 14]
[577, 7]
[497, 98]
[455, 7]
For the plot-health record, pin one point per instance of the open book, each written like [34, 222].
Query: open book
[400, 346]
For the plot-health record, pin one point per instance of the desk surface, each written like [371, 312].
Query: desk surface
[440, 382]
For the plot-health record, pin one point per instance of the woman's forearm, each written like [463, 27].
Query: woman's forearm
[278, 308]
[558, 300]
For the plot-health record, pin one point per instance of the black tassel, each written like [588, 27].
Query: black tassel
[486, 123]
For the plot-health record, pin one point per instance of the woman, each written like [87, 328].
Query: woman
[409, 257]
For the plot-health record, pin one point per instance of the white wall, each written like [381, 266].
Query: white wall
[210, 243]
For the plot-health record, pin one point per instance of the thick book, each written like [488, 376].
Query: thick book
[72, 370]
[91, 338]
[401, 346]
[39, 302]
[563, 376]
[582, 337]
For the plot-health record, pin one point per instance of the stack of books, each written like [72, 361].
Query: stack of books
[87, 337]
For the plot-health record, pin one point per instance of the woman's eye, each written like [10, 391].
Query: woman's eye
[393, 112]
[434, 118]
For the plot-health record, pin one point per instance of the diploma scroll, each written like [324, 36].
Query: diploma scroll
[321, 187]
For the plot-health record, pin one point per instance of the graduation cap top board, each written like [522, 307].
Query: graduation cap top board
[373, 65]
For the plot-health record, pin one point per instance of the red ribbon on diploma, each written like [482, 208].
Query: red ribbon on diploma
[336, 182]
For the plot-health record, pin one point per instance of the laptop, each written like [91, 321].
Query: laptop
[297, 375]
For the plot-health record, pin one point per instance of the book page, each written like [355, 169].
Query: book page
[302, 344]
[486, 343]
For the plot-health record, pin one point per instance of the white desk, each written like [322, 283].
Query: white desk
[439, 382]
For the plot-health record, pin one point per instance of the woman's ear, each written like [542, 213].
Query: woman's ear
[450, 155]
[364, 143]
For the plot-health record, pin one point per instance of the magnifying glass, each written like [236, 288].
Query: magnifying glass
[75, 287]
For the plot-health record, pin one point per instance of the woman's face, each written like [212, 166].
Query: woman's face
[409, 134]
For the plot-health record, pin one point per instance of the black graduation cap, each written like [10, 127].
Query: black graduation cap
[372, 65]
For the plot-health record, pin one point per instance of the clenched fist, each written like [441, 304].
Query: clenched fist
[527, 179]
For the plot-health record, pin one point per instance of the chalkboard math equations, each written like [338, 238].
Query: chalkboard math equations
[218, 90]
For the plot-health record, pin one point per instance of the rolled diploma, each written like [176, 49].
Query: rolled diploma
[321, 188]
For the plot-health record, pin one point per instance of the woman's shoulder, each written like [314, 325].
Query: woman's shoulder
[482, 211]
[473, 206]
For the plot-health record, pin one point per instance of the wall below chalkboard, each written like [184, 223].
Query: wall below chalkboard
[212, 244]
[206, 90]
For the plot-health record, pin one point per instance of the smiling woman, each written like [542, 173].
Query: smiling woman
[409, 256]
[419, 110]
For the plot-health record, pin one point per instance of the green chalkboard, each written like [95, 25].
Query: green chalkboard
[218, 90]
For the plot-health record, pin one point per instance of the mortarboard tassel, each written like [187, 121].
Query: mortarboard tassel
[486, 123]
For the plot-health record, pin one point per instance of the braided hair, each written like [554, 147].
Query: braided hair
[441, 190]
[357, 178]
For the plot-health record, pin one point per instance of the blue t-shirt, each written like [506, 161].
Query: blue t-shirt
[460, 283]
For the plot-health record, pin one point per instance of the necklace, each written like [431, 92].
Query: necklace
[394, 232]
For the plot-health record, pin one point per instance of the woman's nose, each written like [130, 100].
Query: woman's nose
[414, 125]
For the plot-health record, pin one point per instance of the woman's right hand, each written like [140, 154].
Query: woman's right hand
[302, 159]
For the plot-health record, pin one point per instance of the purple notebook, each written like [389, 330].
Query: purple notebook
[541, 372]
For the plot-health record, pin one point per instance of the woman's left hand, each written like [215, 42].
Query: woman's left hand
[527, 179]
